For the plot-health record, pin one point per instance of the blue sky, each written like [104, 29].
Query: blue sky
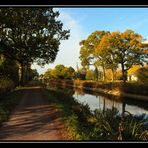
[83, 21]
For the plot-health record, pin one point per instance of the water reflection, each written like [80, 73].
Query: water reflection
[96, 101]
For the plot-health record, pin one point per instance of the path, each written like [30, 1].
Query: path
[33, 119]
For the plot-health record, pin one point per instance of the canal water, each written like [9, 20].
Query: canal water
[97, 101]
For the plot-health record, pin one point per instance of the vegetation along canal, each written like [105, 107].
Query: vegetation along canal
[98, 101]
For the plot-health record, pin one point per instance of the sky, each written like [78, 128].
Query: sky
[83, 21]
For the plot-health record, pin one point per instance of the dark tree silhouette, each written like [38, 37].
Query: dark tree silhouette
[30, 35]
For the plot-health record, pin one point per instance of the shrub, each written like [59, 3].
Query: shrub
[3, 115]
[6, 85]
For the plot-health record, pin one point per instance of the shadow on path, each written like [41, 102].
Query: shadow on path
[33, 119]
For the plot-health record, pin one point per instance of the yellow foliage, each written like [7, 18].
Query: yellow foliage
[118, 75]
[103, 45]
[53, 72]
[109, 74]
[133, 69]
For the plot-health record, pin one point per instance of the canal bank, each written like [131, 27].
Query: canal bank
[91, 116]
[116, 89]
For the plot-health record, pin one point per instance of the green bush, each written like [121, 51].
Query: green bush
[6, 85]
[9, 69]
[3, 115]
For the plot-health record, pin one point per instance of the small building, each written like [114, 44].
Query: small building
[131, 73]
[132, 78]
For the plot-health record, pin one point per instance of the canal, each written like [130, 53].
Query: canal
[98, 101]
[101, 102]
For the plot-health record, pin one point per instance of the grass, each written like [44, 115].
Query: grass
[8, 103]
[83, 124]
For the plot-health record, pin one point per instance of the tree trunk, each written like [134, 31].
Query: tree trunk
[28, 72]
[113, 75]
[103, 73]
[22, 74]
[96, 73]
[123, 73]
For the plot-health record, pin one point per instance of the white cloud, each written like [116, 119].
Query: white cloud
[69, 49]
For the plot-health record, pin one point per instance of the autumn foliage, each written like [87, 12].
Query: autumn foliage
[114, 51]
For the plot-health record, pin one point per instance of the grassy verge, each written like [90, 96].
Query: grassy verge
[98, 125]
[8, 103]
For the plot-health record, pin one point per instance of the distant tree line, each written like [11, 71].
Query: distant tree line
[60, 72]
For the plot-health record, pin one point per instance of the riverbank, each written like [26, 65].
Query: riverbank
[115, 89]
[84, 124]
[41, 111]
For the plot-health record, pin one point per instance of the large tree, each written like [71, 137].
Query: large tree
[30, 35]
[113, 50]
[101, 54]
[128, 50]
[105, 52]
[68, 72]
